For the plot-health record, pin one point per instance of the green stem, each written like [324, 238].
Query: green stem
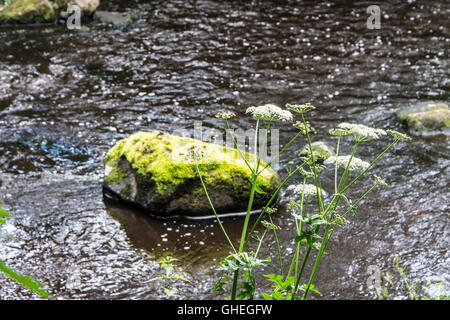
[278, 247]
[282, 150]
[212, 207]
[249, 209]
[370, 166]
[294, 262]
[260, 242]
[335, 165]
[346, 170]
[236, 145]
[264, 144]
[235, 282]
[270, 202]
[316, 176]
[317, 262]
[297, 282]
[359, 200]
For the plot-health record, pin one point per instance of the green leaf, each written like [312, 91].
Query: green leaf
[3, 214]
[267, 296]
[219, 286]
[182, 278]
[24, 280]
[277, 278]
[258, 184]
[259, 190]
[277, 295]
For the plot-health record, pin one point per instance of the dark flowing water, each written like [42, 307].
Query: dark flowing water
[66, 97]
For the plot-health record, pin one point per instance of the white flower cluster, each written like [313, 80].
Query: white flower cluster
[300, 108]
[361, 132]
[342, 161]
[225, 115]
[307, 189]
[397, 135]
[270, 112]
[379, 181]
[339, 132]
[302, 128]
[269, 225]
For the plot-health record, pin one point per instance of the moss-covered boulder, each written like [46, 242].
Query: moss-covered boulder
[426, 118]
[320, 148]
[157, 172]
[115, 19]
[42, 11]
[30, 11]
[87, 7]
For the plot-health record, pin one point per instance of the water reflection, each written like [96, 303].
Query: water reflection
[196, 242]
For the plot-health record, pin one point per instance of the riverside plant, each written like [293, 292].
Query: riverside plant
[25, 281]
[415, 291]
[315, 221]
[169, 275]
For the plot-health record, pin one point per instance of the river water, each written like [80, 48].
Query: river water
[67, 96]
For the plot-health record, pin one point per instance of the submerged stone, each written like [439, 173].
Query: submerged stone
[157, 171]
[426, 118]
[117, 19]
[321, 149]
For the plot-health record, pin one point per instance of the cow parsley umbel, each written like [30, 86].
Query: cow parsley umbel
[379, 181]
[342, 162]
[306, 189]
[270, 112]
[302, 128]
[397, 135]
[300, 108]
[362, 133]
[226, 115]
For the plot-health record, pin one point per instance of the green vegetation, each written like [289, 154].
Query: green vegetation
[24, 280]
[27, 11]
[315, 221]
[169, 276]
[164, 159]
[415, 291]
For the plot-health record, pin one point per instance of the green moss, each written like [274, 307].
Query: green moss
[429, 120]
[167, 161]
[426, 117]
[321, 148]
[27, 11]
[116, 176]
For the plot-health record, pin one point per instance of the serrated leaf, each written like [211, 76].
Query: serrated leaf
[259, 190]
[277, 295]
[182, 278]
[277, 278]
[267, 296]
